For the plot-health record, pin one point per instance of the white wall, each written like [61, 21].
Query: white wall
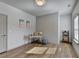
[65, 24]
[48, 24]
[75, 12]
[16, 34]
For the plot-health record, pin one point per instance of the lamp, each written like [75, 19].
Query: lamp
[40, 2]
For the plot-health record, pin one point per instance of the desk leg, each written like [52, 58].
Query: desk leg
[29, 40]
[40, 40]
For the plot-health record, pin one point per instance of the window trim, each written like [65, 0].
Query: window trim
[75, 40]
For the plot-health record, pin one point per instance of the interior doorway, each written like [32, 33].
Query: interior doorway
[3, 33]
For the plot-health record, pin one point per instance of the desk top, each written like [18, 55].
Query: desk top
[35, 36]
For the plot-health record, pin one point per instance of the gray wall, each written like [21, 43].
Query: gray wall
[65, 24]
[75, 12]
[15, 33]
[48, 24]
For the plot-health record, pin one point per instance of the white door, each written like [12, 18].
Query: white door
[3, 33]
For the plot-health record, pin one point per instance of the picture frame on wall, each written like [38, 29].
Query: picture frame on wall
[24, 23]
[21, 23]
[28, 24]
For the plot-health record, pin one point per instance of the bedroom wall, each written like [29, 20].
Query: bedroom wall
[48, 24]
[16, 34]
[65, 24]
[75, 12]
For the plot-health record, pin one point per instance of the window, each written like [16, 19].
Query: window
[76, 29]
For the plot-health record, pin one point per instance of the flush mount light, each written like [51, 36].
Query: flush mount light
[40, 2]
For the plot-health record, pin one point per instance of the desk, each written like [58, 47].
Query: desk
[35, 38]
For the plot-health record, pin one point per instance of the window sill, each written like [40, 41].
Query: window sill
[76, 41]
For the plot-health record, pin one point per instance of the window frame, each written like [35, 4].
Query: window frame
[75, 39]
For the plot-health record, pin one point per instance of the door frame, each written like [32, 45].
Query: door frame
[6, 30]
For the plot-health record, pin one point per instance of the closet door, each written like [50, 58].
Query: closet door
[3, 33]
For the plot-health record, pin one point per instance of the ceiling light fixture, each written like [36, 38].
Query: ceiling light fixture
[40, 2]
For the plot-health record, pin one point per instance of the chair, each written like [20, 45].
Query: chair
[44, 40]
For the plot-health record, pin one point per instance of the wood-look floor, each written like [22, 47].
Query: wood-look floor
[63, 51]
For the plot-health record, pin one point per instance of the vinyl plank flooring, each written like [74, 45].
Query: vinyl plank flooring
[63, 51]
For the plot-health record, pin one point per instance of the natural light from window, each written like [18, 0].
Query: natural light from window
[76, 29]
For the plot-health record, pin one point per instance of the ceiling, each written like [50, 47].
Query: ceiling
[51, 6]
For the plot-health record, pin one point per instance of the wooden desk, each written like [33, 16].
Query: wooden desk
[35, 38]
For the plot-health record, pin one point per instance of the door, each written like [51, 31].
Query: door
[3, 33]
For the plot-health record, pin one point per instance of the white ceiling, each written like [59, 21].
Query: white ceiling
[51, 6]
